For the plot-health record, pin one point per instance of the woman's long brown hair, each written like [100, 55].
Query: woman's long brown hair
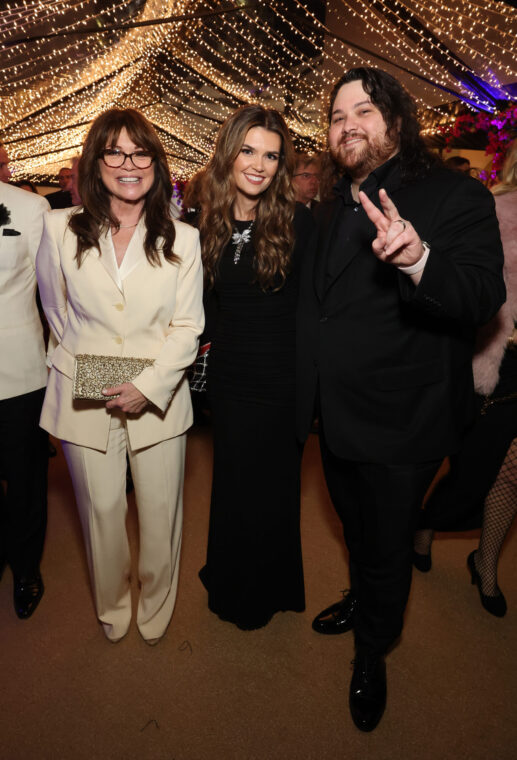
[95, 217]
[273, 235]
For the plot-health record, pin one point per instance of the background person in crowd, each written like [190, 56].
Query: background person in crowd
[23, 376]
[408, 262]
[482, 481]
[329, 176]
[5, 172]
[74, 178]
[458, 164]
[63, 197]
[252, 243]
[25, 184]
[306, 179]
[118, 277]
[191, 202]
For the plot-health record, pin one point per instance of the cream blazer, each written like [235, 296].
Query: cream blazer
[22, 350]
[156, 313]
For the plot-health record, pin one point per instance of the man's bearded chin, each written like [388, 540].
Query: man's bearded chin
[372, 155]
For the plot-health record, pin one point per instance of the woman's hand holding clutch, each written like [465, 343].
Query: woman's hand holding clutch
[129, 399]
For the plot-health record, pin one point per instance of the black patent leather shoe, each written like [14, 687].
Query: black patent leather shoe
[338, 618]
[422, 562]
[495, 605]
[368, 691]
[27, 594]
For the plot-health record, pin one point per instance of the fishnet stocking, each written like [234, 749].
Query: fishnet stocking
[500, 509]
[423, 540]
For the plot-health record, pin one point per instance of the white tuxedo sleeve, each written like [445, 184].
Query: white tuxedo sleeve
[52, 286]
[36, 226]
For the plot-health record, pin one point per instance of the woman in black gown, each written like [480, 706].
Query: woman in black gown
[252, 241]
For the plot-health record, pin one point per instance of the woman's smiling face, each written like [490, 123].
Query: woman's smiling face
[127, 183]
[257, 162]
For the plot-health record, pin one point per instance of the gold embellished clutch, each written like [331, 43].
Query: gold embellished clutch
[92, 373]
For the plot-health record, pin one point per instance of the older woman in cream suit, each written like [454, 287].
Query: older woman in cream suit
[119, 277]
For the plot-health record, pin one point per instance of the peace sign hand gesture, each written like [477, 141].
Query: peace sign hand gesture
[397, 241]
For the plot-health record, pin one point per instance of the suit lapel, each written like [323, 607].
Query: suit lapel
[108, 260]
[135, 251]
[132, 257]
[391, 184]
[327, 220]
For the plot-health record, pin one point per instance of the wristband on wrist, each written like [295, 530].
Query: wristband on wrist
[420, 264]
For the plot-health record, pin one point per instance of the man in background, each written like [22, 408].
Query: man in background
[306, 179]
[23, 377]
[458, 164]
[63, 197]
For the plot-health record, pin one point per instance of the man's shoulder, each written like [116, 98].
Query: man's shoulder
[19, 201]
[442, 176]
[442, 185]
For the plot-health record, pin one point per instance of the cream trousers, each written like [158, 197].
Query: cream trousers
[99, 480]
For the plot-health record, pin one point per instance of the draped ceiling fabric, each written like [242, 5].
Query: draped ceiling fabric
[188, 64]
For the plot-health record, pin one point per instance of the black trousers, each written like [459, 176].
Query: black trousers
[23, 493]
[378, 505]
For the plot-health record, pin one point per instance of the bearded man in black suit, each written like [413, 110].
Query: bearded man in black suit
[407, 264]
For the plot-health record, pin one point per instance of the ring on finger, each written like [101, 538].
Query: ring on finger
[402, 222]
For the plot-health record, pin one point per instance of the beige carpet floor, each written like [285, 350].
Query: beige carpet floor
[211, 692]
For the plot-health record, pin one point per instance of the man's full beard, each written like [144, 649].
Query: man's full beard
[360, 163]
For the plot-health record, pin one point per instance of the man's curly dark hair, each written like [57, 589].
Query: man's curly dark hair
[394, 103]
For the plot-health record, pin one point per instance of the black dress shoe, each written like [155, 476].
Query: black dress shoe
[495, 605]
[368, 691]
[338, 618]
[27, 593]
[422, 562]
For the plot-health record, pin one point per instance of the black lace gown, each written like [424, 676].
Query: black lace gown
[254, 559]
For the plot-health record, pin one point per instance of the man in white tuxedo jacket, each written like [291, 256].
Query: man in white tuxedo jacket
[23, 377]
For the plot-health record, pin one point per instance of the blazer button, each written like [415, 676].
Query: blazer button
[118, 339]
[119, 306]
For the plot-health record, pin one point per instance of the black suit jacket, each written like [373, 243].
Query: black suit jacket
[393, 361]
[60, 199]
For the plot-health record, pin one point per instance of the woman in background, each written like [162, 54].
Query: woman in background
[118, 277]
[483, 475]
[252, 241]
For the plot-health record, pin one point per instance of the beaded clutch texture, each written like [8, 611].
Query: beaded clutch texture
[92, 373]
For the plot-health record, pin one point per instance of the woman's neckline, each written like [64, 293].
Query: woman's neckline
[243, 222]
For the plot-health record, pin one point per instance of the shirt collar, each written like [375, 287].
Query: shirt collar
[375, 180]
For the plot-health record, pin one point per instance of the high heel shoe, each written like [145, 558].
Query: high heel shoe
[495, 605]
[422, 562]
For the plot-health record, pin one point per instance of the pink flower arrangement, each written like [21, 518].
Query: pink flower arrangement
[500, 129]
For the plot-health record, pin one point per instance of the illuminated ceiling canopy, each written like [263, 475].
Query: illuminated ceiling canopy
[187, 65]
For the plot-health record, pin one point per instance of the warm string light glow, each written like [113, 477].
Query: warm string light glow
[189, 75]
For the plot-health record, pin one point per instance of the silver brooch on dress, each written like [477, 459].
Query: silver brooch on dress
[240, 239]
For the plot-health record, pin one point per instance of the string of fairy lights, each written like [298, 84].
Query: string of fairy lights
[187, 65]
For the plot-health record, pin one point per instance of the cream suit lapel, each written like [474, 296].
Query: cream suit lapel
[132, 258]
[135, 251]
[108, 260]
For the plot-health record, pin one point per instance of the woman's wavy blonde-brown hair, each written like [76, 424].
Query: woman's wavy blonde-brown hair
[508, 181]
[273, 235]
[95, 216]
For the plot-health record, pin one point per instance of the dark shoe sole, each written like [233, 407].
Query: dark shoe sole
[422, 562]
[495, 605]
